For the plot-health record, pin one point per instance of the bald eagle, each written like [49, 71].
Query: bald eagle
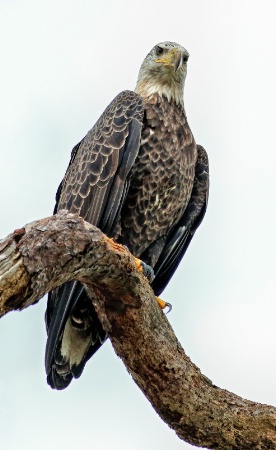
[139, 176]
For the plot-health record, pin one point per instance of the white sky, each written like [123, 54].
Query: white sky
[62, 62]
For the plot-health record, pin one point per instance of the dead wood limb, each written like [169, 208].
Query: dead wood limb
[48, 252]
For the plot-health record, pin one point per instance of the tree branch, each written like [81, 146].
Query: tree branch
[48, 252]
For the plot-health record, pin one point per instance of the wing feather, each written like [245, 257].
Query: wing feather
[108, 151]
[95, 185]
[181, 235]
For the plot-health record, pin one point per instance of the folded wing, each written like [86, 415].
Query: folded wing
[181, 235]
[95, 185]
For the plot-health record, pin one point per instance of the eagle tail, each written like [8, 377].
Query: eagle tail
[74, 334]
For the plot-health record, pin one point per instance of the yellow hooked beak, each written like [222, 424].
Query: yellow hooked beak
[173, 59]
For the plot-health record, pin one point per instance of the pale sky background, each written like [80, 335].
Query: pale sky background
[61, 63]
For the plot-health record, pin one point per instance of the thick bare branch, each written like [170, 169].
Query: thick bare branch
[46, 253]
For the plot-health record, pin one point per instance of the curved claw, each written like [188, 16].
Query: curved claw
[164, 305]
[169, 306]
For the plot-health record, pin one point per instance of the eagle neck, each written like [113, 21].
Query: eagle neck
[173, 92]
[162, 100]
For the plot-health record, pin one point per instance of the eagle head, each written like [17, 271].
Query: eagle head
[163, 72]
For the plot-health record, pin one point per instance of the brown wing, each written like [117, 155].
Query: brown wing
[94, 186]
[182, 234]
[95, 182]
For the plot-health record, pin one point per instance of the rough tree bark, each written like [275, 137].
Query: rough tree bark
[48, 252]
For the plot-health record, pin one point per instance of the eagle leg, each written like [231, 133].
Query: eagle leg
[145, 269]
[148, 271]
[163, 304]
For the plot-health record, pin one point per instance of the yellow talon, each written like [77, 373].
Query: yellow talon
[163, 304]
[139, 265]
[146, 270]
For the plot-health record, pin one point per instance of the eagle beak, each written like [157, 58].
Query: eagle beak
[177, 60]
[172, 59]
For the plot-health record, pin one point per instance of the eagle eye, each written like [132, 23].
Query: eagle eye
[159, 51]
[185, 58]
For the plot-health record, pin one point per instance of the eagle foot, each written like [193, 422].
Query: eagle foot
[146, 270]
[164, 305]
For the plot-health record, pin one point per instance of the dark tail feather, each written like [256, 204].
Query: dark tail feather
[74, 334]
[60, 304]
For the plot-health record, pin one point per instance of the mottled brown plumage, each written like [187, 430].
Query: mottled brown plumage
[163, 173]
[140, 177]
